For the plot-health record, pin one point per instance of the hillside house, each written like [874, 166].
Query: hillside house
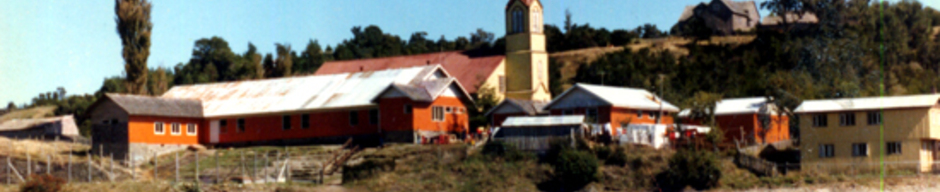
[62, 127]
[629, 114]
[723, 17]
[753, 120]
[840, 134]
[142, 126]
[515, 107]
[520, 73]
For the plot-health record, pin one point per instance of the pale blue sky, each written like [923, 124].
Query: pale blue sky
[45, 44]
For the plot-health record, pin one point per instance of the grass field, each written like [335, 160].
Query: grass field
[31, 113]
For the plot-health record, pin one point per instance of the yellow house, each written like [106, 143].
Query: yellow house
[858, 133]
[520, 73]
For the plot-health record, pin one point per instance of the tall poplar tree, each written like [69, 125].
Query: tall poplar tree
[134, 26]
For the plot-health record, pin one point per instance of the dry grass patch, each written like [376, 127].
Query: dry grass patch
[38, 150]
[31, 113]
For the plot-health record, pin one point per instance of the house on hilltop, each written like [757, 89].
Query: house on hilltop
[723, 17]
[520, 73]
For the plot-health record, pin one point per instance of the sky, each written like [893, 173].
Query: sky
[45, 44]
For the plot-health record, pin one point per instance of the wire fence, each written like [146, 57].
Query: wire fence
[247, 166]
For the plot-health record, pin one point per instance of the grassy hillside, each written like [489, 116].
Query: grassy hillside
[31, 113]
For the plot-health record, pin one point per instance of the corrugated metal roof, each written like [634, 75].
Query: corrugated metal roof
[157, 106]
[68, 123]
[530, 107]
[747, 105]
[868, 103]
[470, 70]
[306, 93]
[543, 121]
[622, 97]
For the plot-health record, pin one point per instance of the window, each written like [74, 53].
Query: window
[536, 18]
[223, 126]
[591, 115]
[651, 115]
[860, 149]
[893, 148]
[240, 126]
[114, 122]
[408, 109]
[353, 118]
[191, 129]
[460, 110]
[175, 129]
[820, 120]
[158, 128]
[847, 119]
[285, 122]
[639, 114]
[567, 112]
[305, 121]
[826, 150]
[874, 118]
[518, 22]
[374, 116]
[437, 113]
[448, 109]
[502, 84]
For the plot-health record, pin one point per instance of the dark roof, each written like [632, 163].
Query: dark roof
[524, 2]
[470, 70]
[157, 106]
[530, 107]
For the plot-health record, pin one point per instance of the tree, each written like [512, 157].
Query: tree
[310, 59]
[253, 66]
[284, 62]
[783, 7]
[134, 26]
[568, 23]
[61, 91]
[11, 106]
[481, 39]
[269, 66]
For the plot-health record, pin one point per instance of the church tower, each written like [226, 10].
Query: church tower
[526, 58]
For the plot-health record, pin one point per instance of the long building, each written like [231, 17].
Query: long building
[416, 104]
[840, 134]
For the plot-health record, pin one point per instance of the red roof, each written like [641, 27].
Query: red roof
[470, 71]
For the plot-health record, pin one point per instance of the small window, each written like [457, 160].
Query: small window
[223, 123]
[305, 121]
[567, 112]
[460, 110]
[893, 148]
[860, 149]
[847, 119]
[448, 109]
[639, 114]
[874, 118]
[158, 128]
[408, 108]
[285, 122]
[651, 115]
[437, 113]
[826, 150]
[353, 118]
[502, 84]
[191, 129]
[114, 122]
[374, 116]
[175, 129]
[591, 115]
[820, 120]
[240, 126]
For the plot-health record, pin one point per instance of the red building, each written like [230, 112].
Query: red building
[748, 121]
[398, 105]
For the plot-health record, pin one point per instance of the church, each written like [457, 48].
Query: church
[521, 73]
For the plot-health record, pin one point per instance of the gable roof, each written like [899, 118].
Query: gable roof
[470, 70]
[524, 2]
[620, 97]
[66, 123]
[746, 105]
[157, 106]
[428, 90]
[529, 107]
[868, 103]
[745, 8]
[303, 93]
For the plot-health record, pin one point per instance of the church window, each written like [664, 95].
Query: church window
[518, 22]
[536, 18]
[502, 84]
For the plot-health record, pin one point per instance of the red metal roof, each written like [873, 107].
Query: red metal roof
[470, 71]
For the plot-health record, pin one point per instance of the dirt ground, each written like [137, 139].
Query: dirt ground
[910, 183]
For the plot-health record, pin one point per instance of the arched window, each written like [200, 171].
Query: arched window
[518, 21]
[536, 20]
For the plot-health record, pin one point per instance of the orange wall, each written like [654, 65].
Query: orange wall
[453, 122]
[141, 130]
[322, 124]
[732, 125]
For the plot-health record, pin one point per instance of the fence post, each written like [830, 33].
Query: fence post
[287, 161]
[156, 164]
[7, 166]
[197, 167]
[177, 167]
[70, 165]
[242, 164]
[111, 170]
[130, 164]
[264, 171]
[218, 171]
[29, 164]
[48, 164]
[89, 167]
[254, 168]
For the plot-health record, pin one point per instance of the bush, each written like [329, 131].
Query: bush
[497, 149]
[603, 152]
[617, 157]
[698, 169]
[368, 168]
[43, 183]
[575, 168]
[556, 146]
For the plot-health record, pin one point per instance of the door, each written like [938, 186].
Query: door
[214, 131]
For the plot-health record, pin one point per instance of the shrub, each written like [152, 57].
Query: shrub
[497, 149]
[43, 183]
[698, 169]
[575, 168]
[617, 157]
[368, 168]
[556, 146]
[603, 152]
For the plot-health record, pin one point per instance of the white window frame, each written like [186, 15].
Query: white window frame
[176, 129]
[448, 109]
[893, 148]
[639, 114]
[159, 128]
[820, 120]
[860, 150]
[827, 151]
[875, 118]
[651, 115]
[847, 119]
[192, 129]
